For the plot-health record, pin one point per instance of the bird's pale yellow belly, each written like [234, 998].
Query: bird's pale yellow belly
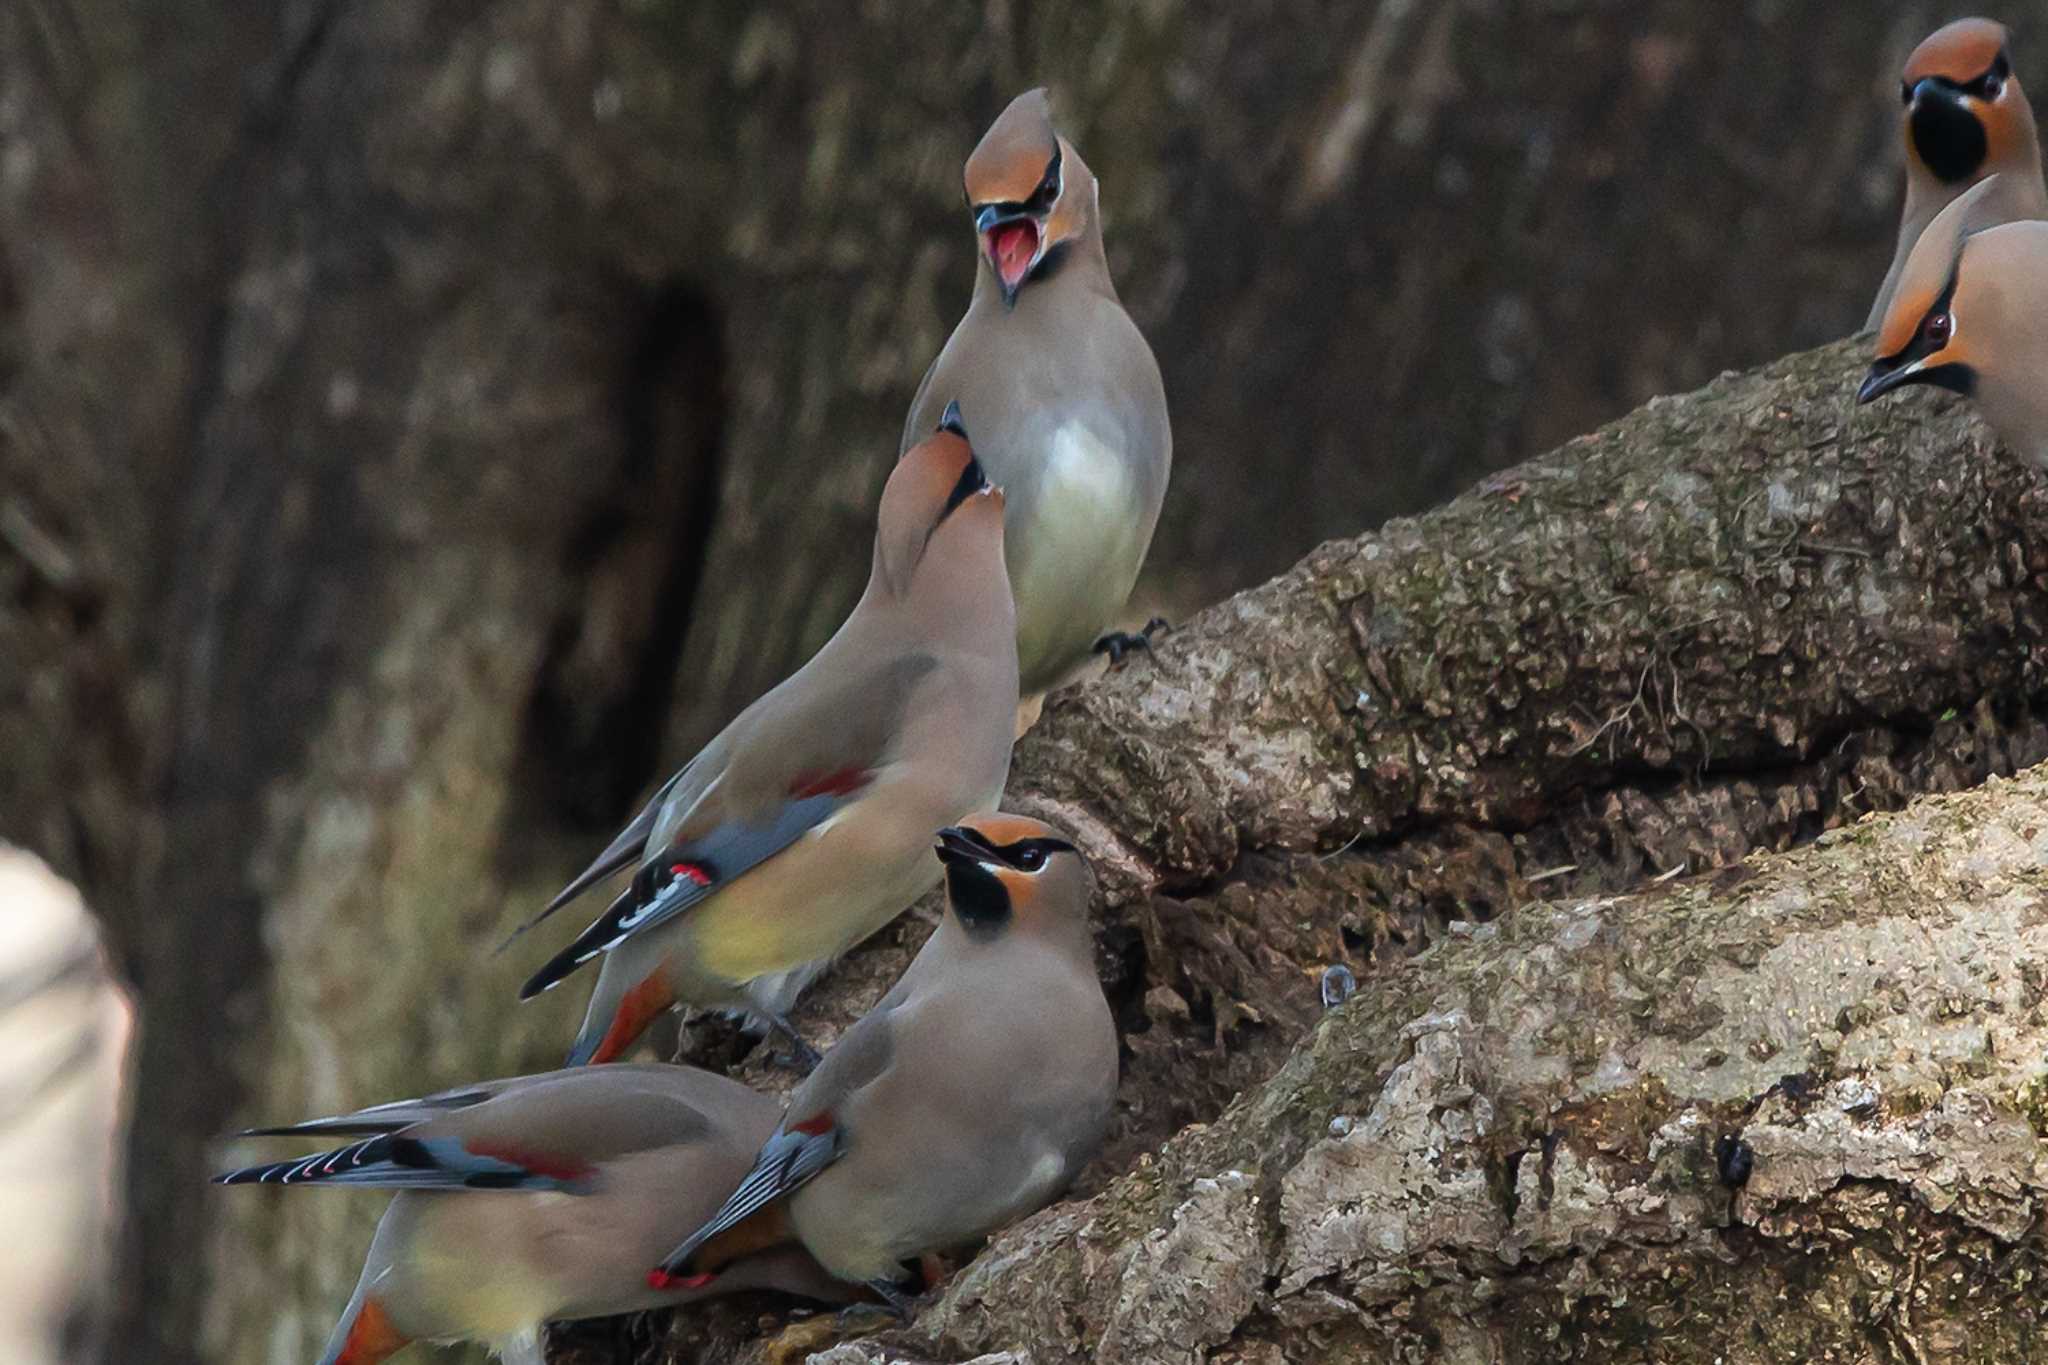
[1075, 555]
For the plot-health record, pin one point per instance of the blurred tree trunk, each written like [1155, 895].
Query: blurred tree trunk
[420, 425]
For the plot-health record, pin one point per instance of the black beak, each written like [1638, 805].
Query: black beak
[1885, 376]
[952, 421]
[989, 217]
[963, 847]
[1881, 380]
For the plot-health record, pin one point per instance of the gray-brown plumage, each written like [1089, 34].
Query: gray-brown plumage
[537, 1199]
[970, 1096]
[1059, 388]
[1971, 315]
[804, 826]
[1965, 118]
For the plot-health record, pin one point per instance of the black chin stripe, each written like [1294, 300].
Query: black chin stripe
[972, 481]
[1948, 137]
[1956, 377]
[979, 898]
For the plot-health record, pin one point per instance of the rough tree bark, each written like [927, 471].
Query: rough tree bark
[1728, 622]
[419, 424]
[1531, 1142]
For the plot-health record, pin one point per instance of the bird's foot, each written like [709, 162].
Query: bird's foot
[894, 1302]
[801, 1057]
[1119, 643]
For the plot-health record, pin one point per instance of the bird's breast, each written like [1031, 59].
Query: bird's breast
[1075, 543]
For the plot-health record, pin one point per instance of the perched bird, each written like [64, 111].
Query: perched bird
[802, 828]
[1971, 315]
[1068, 410]
[969, 1096]
[603, 1165]
[1965, 118]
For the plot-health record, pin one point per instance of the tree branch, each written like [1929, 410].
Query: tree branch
[1724, 623]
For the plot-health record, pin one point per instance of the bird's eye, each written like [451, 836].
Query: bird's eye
[1992, 85]
[1031, 859]
[1935, 330]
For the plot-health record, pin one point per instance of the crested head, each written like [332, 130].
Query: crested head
[1965, 113]
[1917, 341]
[1029, 192]
[936, 483]
[1930, 268]
[1972, 316]
[1957, 52]
[1009, 872]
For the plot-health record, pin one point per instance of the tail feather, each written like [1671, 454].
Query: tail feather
[381, 1118]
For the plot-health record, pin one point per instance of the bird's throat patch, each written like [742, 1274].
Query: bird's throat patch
[979, 898]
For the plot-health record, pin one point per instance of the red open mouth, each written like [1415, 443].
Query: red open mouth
[1011, 249]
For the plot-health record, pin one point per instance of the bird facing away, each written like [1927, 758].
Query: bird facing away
[803, 827]
[537, 1199]
[1065, 399]
[1971, 315]
[1965, 118]
[968, 1097]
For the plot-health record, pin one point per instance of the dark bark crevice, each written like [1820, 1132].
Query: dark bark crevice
[632, 570]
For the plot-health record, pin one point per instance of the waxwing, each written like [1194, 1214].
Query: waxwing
[970, 1096]
[803, 827]
[536, 1199]
[1965, 118]
[1971, 315]
[1065, 399]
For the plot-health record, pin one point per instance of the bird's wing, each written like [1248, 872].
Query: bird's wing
[791, 762]
[627, 847]
[688, 873]
[398, 1161]
[530, 1132]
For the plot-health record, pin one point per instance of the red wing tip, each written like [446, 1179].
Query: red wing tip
[844, 782]
[817, 1125]
[660, 1279]
[554, 1168]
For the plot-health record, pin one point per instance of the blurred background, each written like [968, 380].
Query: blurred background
[422, 424]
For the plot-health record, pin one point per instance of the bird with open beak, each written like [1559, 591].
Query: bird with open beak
[1971, 316]
[1965, 119]
[1068, 409]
